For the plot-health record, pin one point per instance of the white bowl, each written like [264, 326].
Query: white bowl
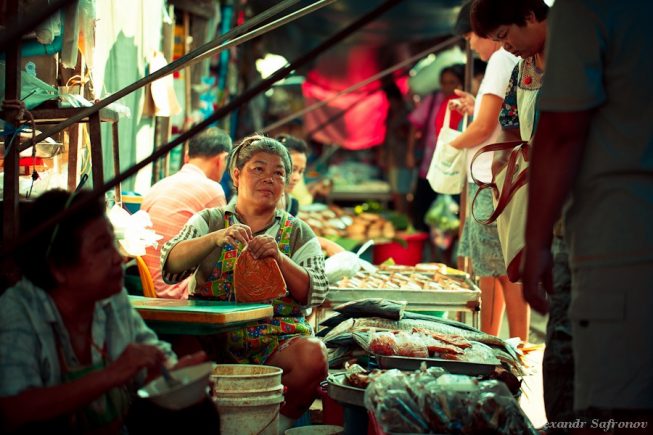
[192, 387]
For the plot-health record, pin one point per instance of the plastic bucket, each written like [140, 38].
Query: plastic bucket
[332, 412]
[248, 398]
[249, 416]
[233, 378]
[406, 255]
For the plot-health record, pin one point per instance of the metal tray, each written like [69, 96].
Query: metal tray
[414, 298]
[339, 391]
[454, 367]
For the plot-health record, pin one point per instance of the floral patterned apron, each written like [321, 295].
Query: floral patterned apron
[255, 342]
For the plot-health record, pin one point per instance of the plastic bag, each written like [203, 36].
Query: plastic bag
[443, 219]
[428, 401]
[410, 345]
[436, 348]
[394, 409]
[497, 411]
[133, 232]
[383, 343]
[393, 399]
[479, 353]
[33, 91]
[448, 168]
[443, 214]
[347, 264]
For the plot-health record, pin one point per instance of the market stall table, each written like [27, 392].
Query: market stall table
[196, 317]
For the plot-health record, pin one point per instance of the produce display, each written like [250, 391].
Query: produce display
[425, 276]
[336, 222]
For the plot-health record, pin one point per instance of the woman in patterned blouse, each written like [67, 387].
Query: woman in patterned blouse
[208, 246]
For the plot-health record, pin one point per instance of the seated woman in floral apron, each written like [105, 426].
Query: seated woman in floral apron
[72, 348]
[209, 244]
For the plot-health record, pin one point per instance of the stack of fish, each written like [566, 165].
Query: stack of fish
[347, 335]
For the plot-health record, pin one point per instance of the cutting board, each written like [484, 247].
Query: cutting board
[198, 311]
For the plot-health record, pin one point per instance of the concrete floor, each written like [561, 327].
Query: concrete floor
[532, 399]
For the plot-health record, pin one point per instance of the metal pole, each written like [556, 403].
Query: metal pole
[469, 67]
[214, 47]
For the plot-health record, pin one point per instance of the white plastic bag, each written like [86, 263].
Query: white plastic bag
[133, 232]
[347, 264]
[447, 171]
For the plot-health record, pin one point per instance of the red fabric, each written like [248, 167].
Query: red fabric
[362, 125]
[455, 119]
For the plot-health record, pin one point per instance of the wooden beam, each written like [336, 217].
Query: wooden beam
[96, 151]
[73, 150]
[115, 144]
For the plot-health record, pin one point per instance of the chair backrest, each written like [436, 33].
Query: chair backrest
[146, 278]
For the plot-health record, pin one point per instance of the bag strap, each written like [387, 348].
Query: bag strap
[447, 119]
[510, 185]
[501, 146]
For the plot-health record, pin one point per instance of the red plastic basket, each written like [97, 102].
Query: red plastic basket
[332, 411]
[408, 256]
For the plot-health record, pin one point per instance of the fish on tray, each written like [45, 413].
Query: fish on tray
[458, 337]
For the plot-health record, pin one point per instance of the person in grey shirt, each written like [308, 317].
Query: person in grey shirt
[594, 144]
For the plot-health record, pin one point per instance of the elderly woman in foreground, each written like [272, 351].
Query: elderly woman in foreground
[72, 348]
[208, 246]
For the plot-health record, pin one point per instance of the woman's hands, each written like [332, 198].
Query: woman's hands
[260, 246]
[264, 246]
[191, 360]
[464, 104]
[234, 235]
[134, 358]
[144, 356]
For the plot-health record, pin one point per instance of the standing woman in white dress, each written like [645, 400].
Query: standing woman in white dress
[481, 242]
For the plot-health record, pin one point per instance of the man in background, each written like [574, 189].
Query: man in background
[173, 200]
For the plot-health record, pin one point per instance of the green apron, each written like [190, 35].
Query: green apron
[105, 414]
[255, 342]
